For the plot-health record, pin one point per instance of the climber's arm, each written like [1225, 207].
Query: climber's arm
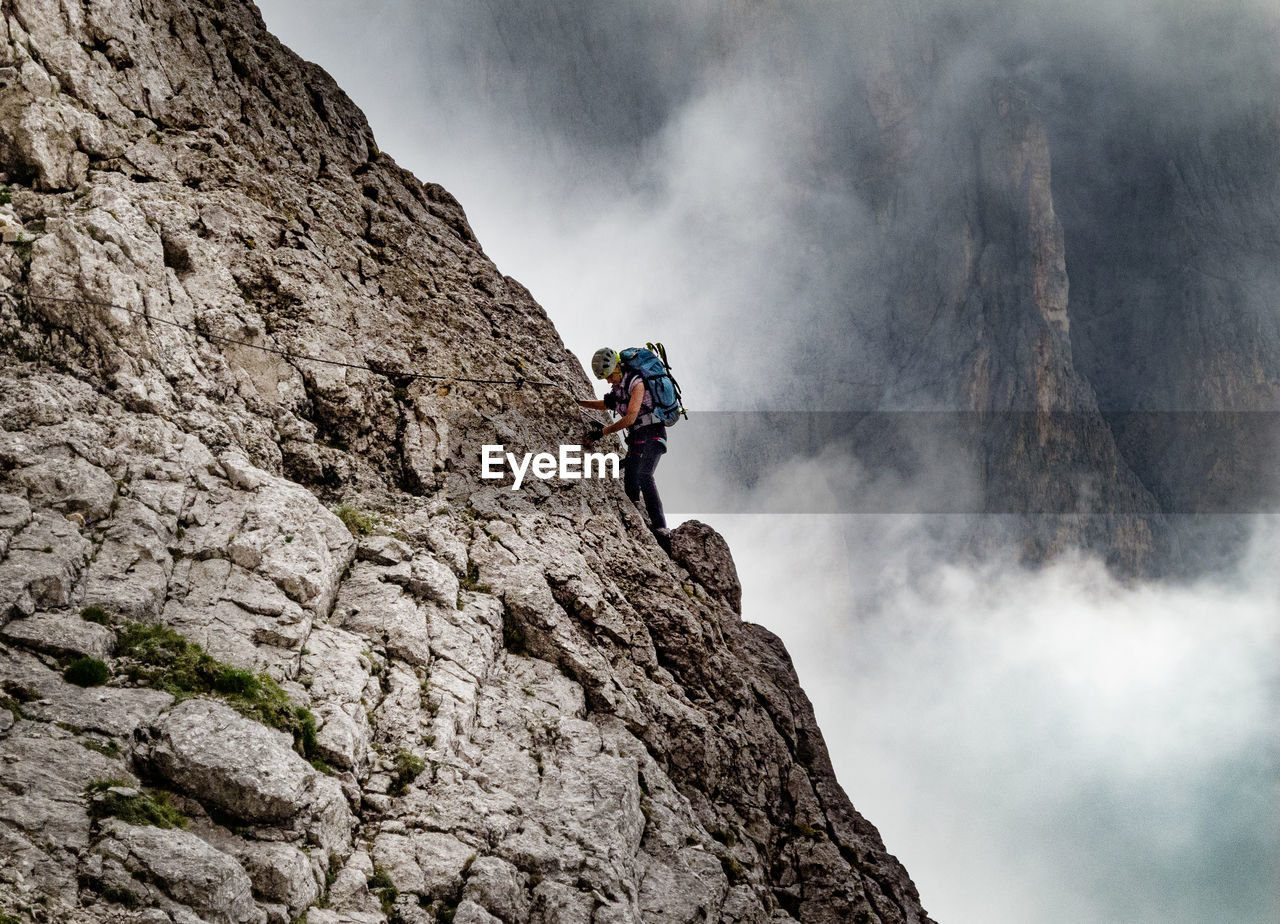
[633, 409]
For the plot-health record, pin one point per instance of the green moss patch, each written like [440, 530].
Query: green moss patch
[733, 869]
[105, 748]
[380, 883]
[800, 829]
[514, 638]
[138, 808]
[162, 659]
[121, 896]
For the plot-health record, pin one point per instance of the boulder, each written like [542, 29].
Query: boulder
[69, 485]
[705, 555]
[114, 711]
[384, 550]
[182, 866]
[425, 862]
[280, 873]
[210, 751]
[429, 580]
[61, 634]
[15, 512]
[383, 614]
[497, 887]
[470, 913]
[44, 562]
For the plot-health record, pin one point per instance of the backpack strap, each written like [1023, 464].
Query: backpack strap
[646, 415]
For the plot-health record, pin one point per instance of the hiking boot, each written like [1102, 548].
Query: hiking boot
[663, 536]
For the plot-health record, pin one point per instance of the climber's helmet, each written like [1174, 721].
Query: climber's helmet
[604, 361]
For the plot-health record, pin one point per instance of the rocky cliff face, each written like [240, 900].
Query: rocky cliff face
[269, 649]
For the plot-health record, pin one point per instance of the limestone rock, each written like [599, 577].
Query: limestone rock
[499, 888]
[471, 913]
[112, 711]
[426, 863]
[706, 556]
[350, 891]
[384, 550]
[61, 633]
[69, 485]
[337, 669]
[429, 580]
[210, 751]
[380, 610]
[50, 770]
[15, 513]
[281, 873]
[43, 564]
[184, 868]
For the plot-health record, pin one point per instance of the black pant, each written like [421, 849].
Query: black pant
[637, 477]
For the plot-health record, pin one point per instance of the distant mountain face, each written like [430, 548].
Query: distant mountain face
[1100, 239]
[270, 648]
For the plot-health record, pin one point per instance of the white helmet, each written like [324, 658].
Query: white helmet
[604, 361]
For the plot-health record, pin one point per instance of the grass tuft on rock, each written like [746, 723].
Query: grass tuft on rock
[96, 614]
[105, 748]
[133, 806]
[734, 870]
[800, 829]
[357, 521]
[408, 768]
[513, 635]
[15, 709]
[87, 672]
[472, 581]
[164, 660]
[381, 884]
[444, 910]
[121, 896]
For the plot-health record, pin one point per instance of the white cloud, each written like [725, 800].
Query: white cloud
[1043, 745]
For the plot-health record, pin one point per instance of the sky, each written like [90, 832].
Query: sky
[1037, 745]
